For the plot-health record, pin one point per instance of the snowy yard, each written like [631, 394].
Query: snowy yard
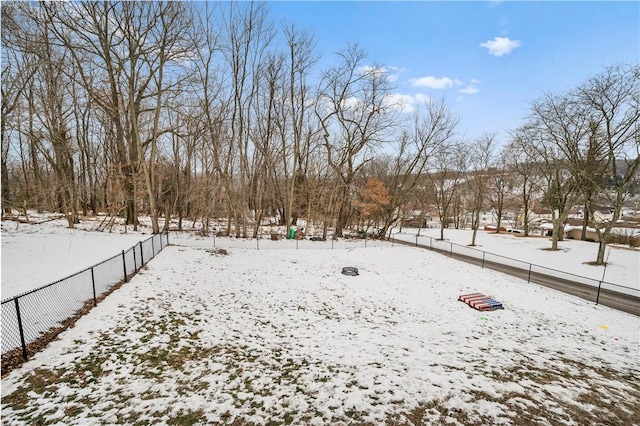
[573, 256]
[236, 335]
[36, 255]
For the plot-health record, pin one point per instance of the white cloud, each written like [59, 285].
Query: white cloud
[352, 103]
[375, 71]
[447, 83]
[434, 82]
[469, 89]
[407, 103]
[500, 46]
[400, 102]
[419, 97]
[379, 71]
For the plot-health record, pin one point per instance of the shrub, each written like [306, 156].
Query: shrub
[625, 237]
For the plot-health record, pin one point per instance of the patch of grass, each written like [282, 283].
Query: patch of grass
[217, 252]
[187, 417]
[289, 417]
[72, 410]
[40, 381]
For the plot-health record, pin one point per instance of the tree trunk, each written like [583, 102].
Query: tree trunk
[475, 225]
[602, 247]
[585, 222]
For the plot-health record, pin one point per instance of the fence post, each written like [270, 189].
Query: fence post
[483, 253]
[529, 277]
[417, 239]
[365, 240]
[600, 284]
[141, 255]
[153, 247]
[214, 240]
[93, 284]
[160, 235]
[167, 237]
[124, 267]
[24, 344]
[451, 250]
[135, 260]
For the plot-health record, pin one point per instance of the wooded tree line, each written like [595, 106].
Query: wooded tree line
[205, 110]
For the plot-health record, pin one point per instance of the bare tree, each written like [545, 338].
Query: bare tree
[122, 52]
[355, 114]
[17, 71]
[96, 43]
[51, 104]
[559, 188]
[429, 129]
[248, 34]
[585, 136]
[480, 153]
[521, 161]
[447, 170]
[271, 165]
[558, 122]
[499, 186]
[163, 51]
[613, 100]
[209, 113]
[300, 59]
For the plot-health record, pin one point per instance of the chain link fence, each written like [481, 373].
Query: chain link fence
[32, 319]
[599, 291]
[278, 242]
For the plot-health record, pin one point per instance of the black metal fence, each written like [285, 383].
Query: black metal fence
[266, 242]
[42, 313]
[618, 296]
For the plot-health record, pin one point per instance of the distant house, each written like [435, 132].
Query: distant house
[575, 233]
[571, 232]
[603, 214]
[419, 219]
[576, 213]
[540, 215]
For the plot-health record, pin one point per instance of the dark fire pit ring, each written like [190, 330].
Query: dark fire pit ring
[350, 270]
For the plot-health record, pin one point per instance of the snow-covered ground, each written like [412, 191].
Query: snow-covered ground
[234, 334]
[34, 255]
[573, 256]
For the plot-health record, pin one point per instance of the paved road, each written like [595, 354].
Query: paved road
[613, 299]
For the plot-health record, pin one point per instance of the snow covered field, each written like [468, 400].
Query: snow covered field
[623, 263]
[36, 255]
[235, 334]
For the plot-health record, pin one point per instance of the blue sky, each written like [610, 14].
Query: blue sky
[489, 60]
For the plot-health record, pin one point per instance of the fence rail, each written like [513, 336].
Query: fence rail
[613, 295]
[32, 319]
